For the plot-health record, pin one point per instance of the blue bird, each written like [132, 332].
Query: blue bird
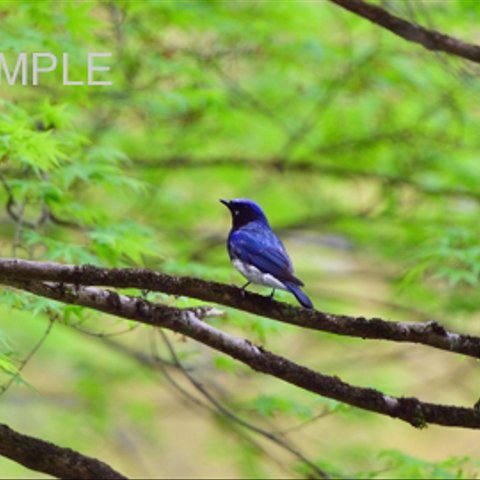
[257, 253]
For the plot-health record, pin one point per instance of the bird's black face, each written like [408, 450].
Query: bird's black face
[244, 211]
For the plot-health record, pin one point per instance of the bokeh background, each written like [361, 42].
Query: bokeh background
[361, 147]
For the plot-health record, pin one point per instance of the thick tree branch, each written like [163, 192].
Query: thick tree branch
[430, 39]
[189, 323]
[426, 333]
[46, 457]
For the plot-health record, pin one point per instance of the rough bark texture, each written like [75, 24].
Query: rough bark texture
[189, 323]
[430, 39]
[431, 333]
[48, 458]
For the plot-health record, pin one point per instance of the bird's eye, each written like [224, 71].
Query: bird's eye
[236, 212]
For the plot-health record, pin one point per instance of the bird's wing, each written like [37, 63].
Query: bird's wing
[263, 250]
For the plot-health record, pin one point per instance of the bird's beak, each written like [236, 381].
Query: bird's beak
[225, 202]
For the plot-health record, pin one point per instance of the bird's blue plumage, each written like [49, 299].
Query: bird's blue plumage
[259, 246]
[257, 252]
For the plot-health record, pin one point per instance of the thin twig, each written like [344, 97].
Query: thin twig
[24, 362]
[234, 417]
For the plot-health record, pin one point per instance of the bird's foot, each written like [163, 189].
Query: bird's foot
[242, 289]
[272, 295]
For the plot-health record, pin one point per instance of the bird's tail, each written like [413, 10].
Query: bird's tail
[299, 295]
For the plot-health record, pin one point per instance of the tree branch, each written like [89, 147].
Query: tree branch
[189, 323]
[232, 416]
[159, 364]
[426, 333]
[46, 457]
[429, 39]
[306, 167]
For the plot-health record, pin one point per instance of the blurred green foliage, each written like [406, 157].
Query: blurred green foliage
[363, 150]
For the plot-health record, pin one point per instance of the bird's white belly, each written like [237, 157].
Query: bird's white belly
[254, 275]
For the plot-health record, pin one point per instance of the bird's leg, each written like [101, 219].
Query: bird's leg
[244, 287]
[272, 294]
